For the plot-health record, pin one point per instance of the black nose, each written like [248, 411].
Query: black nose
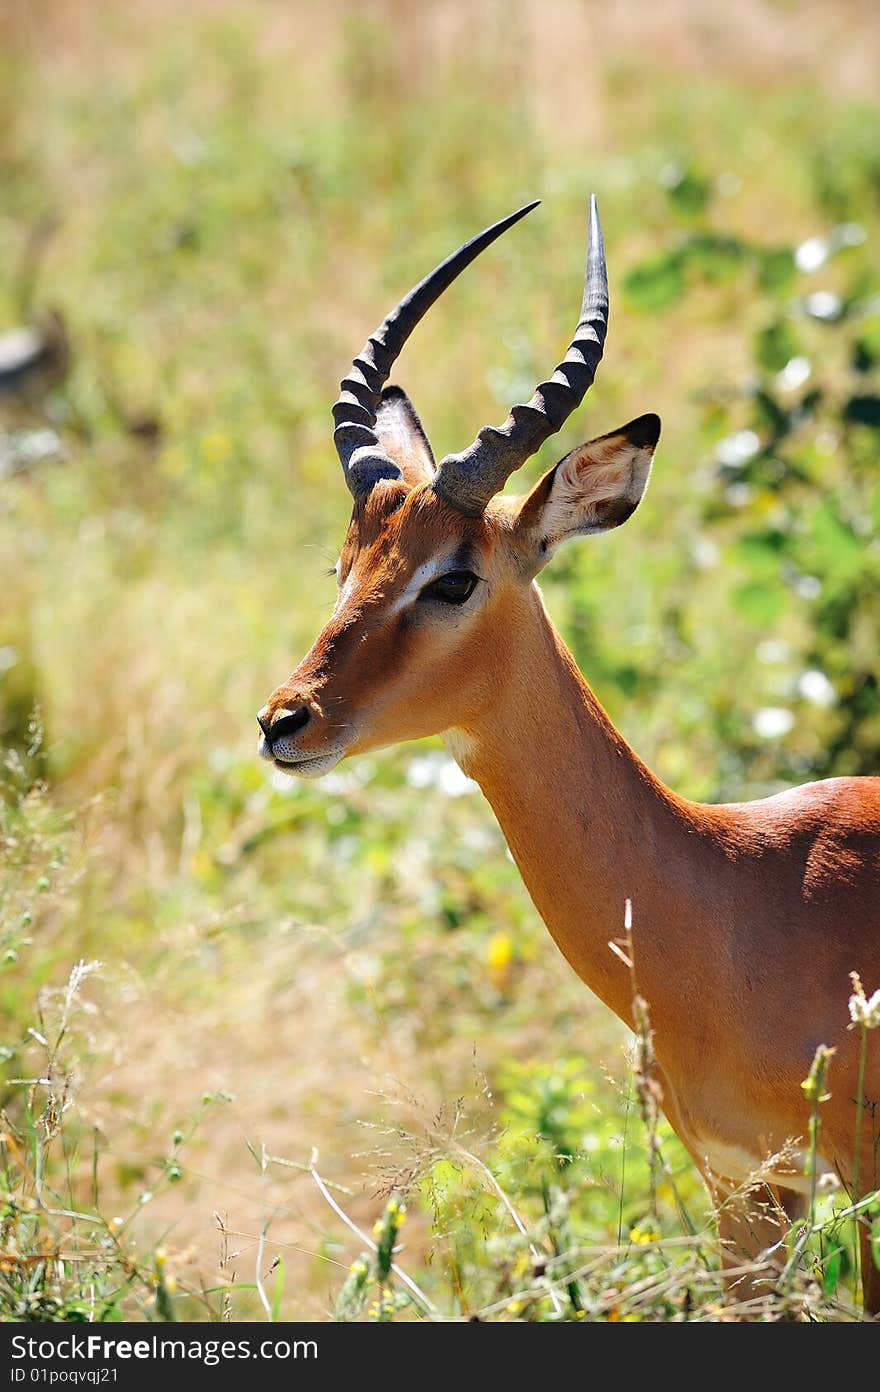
[287, 725]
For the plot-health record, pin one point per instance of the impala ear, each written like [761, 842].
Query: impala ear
[401, 435]
[593, 489]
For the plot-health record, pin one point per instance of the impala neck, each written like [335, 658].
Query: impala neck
[587, 823]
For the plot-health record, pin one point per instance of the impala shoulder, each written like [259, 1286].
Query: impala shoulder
[825, 828]
[837, 802]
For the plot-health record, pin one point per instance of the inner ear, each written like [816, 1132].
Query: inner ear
[593, 489]
[402, 437]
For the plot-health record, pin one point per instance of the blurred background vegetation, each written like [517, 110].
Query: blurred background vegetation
[204, 208]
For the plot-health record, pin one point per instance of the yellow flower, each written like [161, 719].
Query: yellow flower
[643, 1236]
[215, 447]
[813, 1085]
[499, 959]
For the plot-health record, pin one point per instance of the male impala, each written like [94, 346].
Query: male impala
[749, 916]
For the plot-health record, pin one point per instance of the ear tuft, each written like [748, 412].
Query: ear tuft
[643, 432]
[395, 393]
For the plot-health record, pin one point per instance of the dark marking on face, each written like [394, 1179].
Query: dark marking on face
[465, 558]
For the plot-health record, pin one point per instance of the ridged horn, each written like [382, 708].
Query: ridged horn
[364, 462]
[467, 481]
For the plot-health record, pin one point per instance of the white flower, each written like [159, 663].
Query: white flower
[812, 254]
[827, 1182]
[738, 449]
[824, 304]
[772, 722]
[794, 374]
[864, 1011]
[809, 586]
[773, 650]
[704, 552]
[814, 686]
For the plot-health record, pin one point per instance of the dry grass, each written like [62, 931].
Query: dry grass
[238, 189]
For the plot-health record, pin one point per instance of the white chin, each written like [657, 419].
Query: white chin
[309, 768]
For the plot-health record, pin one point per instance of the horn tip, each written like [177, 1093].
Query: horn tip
[522, 212]
[596, 243]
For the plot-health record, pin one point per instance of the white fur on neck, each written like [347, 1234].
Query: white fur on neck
[461, 746]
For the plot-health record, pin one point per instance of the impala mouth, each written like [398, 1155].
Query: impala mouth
[309, 768]
[304, 766]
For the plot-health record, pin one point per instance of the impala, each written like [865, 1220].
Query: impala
[749, 916]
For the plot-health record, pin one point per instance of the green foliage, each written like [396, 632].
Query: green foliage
[234, 206]
[55, 1262]
[61, 1256]
[789, 495]
[520, 1236]
[370, 1273]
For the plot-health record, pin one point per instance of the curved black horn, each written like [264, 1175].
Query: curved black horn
[363, 460]
[468, 480]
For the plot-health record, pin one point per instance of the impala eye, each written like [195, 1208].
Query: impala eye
[454, 588]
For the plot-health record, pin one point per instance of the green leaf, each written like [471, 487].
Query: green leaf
[761, 551]
[863, 410]
[688, 191]
[759, 601]
[776, 268]
[866, 349]
[655, 284]
[770, 418]
[839, 550]
[776, 345]
[832, 1272]
[713, 256]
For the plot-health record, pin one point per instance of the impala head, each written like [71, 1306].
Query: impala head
[436, 566]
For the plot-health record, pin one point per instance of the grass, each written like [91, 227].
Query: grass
[354, 967]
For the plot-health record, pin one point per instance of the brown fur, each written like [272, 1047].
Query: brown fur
[748, 918]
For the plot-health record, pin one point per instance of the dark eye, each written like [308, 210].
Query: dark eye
[453, 588]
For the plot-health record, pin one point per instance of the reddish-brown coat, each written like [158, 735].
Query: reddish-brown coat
[748, 918]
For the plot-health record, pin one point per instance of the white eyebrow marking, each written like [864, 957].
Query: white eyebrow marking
[421, 576]
[344, 591]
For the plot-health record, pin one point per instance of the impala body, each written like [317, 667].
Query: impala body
[749, 918]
